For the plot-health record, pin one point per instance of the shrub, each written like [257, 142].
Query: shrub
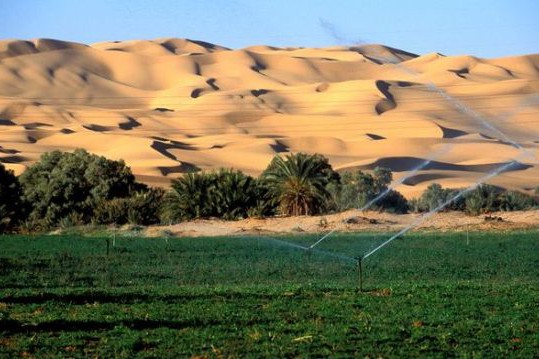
[74, 219]
[515, 201]
[144, 206]
[483, 199]
[113, 211]
[434, 196]
[395, 202]
[361, 190]
[11, 204]
[62, 183]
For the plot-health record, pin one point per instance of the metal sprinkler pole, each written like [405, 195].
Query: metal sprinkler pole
[360, 273]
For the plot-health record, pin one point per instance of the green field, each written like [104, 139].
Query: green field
[434, 295]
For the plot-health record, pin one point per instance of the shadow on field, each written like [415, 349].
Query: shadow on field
[11, 327]
[130, 298]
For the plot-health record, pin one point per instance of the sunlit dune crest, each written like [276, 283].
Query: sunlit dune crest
[168, 106]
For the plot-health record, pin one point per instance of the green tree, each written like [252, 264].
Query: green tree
[298, 183]
[435, 195]
[227, 194]
[11, 205]
[190, 197]
[360, 189]
[232, 194]
[263, 205]
[63, 183]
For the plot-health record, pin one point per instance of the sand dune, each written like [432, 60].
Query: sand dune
[169, 106]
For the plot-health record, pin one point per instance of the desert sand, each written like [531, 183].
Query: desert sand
[168, 106]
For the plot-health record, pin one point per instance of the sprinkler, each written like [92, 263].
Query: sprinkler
[359, 273]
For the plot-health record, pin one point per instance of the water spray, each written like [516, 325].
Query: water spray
[309, 250]
[460, 107]
[427, 215]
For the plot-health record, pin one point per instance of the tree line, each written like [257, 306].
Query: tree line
[67, 189]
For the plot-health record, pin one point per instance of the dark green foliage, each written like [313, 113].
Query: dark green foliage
[112, 211]
[190, 196]
[233, 194]
[394, 202]
[227, 194]
[343, 195]
[297, 183]
[483, 199]
[360, 189]
[142, 207]
[435, 196]
[516, 201]
[263, 204]
[62, 183]
[11, 204]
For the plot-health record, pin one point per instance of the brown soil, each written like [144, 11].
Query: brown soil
[352, 221]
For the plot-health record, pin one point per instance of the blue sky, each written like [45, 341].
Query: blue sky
[487, 28]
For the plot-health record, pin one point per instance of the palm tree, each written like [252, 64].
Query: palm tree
[227, 194]
[190, 196]
[233, 194]
[298, 183]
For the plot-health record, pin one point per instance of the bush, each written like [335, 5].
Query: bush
[74, 219]
[11, 204]
[189, 197]
[142, 208]
[483, 199]
[113, 211]
[434, 196]
[361, 190]
[394, 202]
[62, 183]
[516, 201]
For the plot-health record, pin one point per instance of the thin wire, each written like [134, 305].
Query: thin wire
[253, 130]
[283, 91]
[276, 130]
[273, 104]
[280, 119]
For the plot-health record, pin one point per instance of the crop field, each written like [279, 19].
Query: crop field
[426, 294]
